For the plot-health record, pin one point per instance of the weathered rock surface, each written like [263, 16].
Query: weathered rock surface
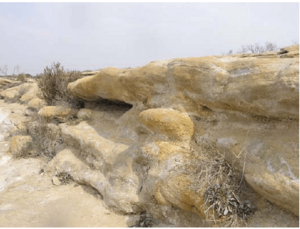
[28, 197]
[12, 120]
[168, 122]
[258, 86]
[84, 114]
[161, 154]
[23, 92]
[36, 103]
[7, 83]
[244, 106]
[20, 146]
[57, 112]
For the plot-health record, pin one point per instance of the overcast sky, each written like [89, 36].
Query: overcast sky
[91, 36]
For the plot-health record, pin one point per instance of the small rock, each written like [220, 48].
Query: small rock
[20, 146]
[56, 181]
[84, 114]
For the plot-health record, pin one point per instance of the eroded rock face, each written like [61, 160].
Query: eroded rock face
[244, 106]
[168, 122]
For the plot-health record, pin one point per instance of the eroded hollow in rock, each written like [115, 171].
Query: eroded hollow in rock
[115, 104]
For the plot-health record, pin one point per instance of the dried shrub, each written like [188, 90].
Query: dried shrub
[45, 136]
[221, 184]
[145, 220]
[255, 48]
[258, 48]
[53, 84]
[225, 205]
[64, 178]
[22, 90]
[21, 77]
[222, 194]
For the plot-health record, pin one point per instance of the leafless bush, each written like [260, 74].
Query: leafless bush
[4, 69]
[256, 48]
[230, 52]
[222, 187]
[21, 77]
[53, 84]
[45, 136]
[220, 183]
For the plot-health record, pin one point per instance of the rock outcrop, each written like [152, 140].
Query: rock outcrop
[188, 142]
[244, 106]
[57, 112]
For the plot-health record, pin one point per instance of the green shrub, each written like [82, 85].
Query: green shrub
[53, 84]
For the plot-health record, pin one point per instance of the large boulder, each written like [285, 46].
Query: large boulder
[258, 86]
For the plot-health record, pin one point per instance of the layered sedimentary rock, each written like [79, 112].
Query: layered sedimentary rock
[244, 106]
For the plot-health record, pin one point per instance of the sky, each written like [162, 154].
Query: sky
[91, 36]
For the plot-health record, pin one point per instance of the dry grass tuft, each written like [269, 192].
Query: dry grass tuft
[224, 204]
[64, 178]
[53, 84]
[221, 185]
[222, 192]
[145, 220]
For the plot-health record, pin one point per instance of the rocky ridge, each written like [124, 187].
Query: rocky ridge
[192, 141]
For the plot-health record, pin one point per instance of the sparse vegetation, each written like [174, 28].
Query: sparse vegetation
[64, 178]
[21, 77]
[53, 84]
[3, 70]
[220, 183]
[256, 48]
[222, 188]
[145, 220]
[45, 136]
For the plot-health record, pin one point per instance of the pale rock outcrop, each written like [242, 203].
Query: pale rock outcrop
[67, 161]
[244, 106]
[168, 122]
[89, 73]
[57, 112]
[32, 93]
[23, 92]
[36, 103]
[259, 86]
[7, 83]
[12, 120]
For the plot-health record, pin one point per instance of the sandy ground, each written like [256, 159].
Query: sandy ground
[29, 199]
